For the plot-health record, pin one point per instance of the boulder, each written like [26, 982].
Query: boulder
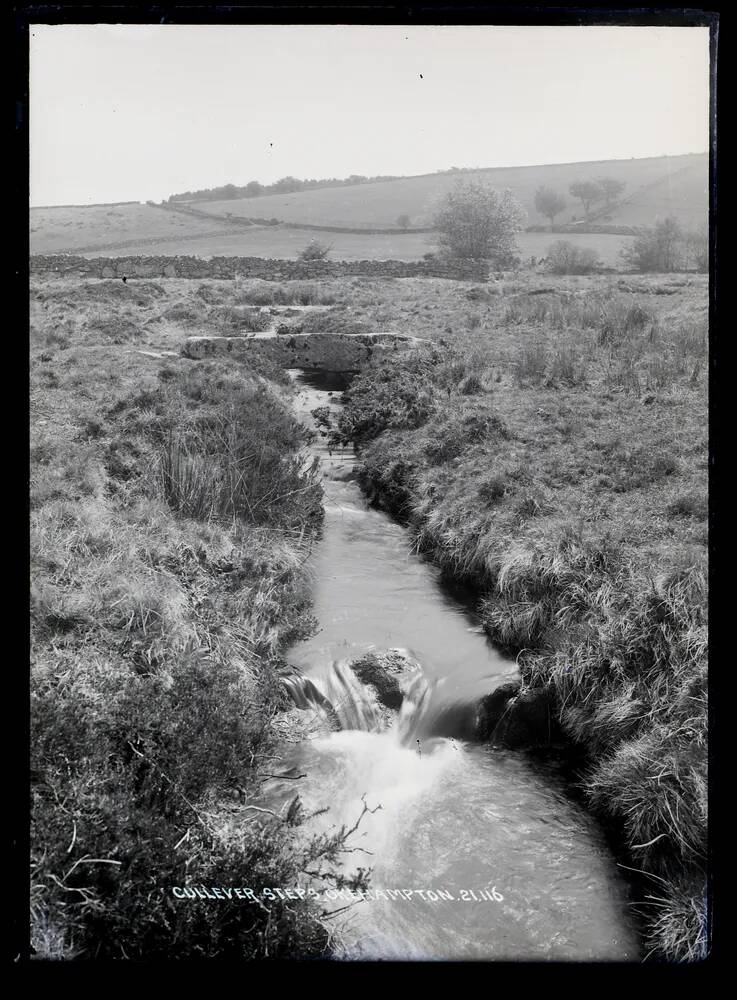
[518, 718]
[384, 671]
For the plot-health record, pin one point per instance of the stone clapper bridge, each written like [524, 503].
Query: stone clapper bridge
[333, 352]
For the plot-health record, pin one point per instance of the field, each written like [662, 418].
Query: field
[381, 203]
[287, 243]
[553, 455]
[143, 230]
[655, 187]
[57, 230]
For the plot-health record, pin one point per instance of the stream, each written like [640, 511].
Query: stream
[519, 871]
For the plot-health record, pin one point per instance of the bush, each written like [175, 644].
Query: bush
[696, 243]
[475, 221]
[314, 252]
[210, 294]
[239, 319]
[118, 782]
[383, 397]
[113, 330]
[181, 312]
[564, 258]
[660, 249]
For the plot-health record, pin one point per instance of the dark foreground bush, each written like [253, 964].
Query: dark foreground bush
[119, 820]
[389, 396]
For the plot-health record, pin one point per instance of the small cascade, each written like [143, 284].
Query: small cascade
[304, 692]
[417, 695]
[348, 704]
[341, 697]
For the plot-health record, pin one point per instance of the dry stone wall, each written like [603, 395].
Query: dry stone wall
[254, 267]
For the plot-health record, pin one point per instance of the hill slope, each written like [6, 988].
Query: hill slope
[379, 204]
[655, 187]
[73, 228]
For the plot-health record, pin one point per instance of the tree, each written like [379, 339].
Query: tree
[253, 189]
[474, 220]
[549, 203]
[611, 188]
[587, 191]
[287, 185]
[403, 221]
[660, 249]
[314, 251]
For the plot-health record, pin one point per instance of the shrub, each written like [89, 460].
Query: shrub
[383, 397]
[471, 384]
[182, 312]
[114, 330]
[475, 221]
[210, 294]
[314, 252]
[239, 319]
[453, 438]
[119, 777]
[564, 258]
[696, 242]
[660, 249]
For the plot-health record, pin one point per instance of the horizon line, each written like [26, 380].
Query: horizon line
[398, 177]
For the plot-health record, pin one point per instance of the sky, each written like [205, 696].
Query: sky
[137, 112]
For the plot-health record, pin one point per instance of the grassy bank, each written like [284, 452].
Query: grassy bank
[552, 452]
[171, 517]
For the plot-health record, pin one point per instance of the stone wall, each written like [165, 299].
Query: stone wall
[587, 228]
[253, 267]
[254, 220]
[338, 352]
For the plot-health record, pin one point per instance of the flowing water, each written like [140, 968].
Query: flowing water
[475, 853]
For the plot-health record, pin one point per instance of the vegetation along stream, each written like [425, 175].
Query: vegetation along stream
[475, 852]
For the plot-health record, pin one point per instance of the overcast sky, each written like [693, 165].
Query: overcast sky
[142, 111]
